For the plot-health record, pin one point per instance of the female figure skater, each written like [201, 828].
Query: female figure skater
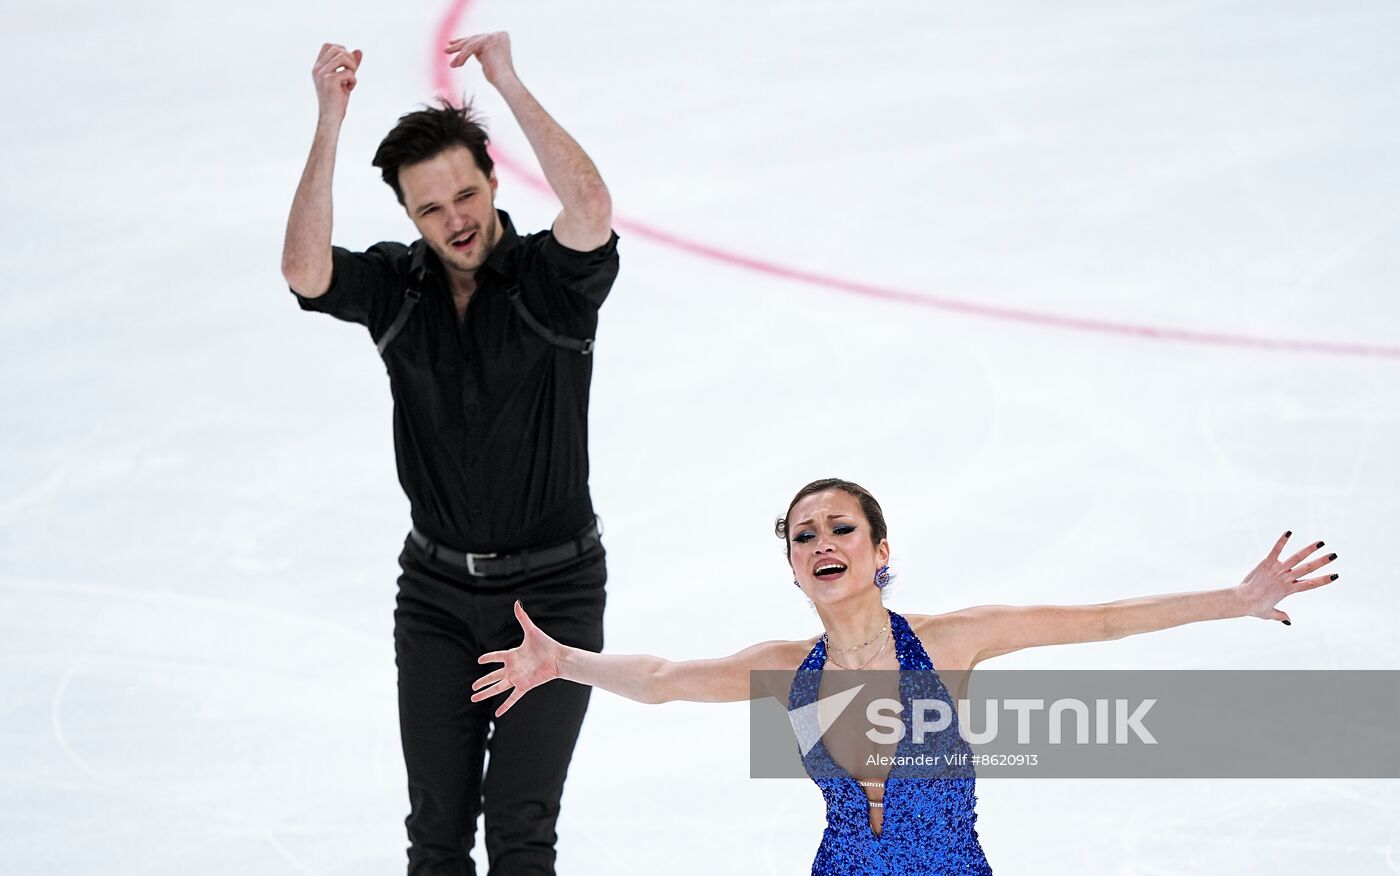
[878, 822]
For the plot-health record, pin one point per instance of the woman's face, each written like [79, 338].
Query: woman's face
[829, 547]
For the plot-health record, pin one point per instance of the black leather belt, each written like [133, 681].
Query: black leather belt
[494, 565]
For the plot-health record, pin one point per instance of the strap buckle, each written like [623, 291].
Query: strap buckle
[471, 563]
[587, 346]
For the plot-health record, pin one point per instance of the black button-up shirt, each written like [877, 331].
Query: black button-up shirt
[490, 420]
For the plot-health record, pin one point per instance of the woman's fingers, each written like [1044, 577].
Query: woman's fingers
[1303, 554]
[520, 615]
[499, 680]
[1310, 583]
[499, 687]
[510, 701]
[1311, 567]
[489, 678]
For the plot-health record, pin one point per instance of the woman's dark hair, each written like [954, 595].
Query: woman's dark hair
[425, 133]
[868, 506]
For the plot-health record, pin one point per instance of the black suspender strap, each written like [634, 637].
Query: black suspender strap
[410, 298]
[578, 345]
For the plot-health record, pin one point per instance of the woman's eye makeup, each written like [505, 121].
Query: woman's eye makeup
[807, 534]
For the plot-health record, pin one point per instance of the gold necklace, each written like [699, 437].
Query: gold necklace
[867, 643]
[841, 665]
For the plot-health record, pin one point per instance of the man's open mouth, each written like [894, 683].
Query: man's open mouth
[466, 241]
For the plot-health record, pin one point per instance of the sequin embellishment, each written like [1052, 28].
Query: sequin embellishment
[928, 827]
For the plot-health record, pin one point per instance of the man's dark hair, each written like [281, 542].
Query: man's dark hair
[425, 133]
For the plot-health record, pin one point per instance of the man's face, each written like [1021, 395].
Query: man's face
[453, 204]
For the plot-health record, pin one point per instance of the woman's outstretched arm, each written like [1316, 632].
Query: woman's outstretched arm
[639, 677]
[991, 630]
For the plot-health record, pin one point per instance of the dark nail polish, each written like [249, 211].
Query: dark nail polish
[1335, 577]
[1331, 556]
[1288, 623]
[1288, 534]
[1320, 544]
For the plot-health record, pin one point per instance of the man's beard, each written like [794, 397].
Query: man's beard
[485, 243]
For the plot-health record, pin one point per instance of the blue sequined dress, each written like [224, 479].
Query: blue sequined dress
[928, 822]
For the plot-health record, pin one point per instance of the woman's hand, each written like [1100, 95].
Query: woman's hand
[1275, 578]
[524, 668]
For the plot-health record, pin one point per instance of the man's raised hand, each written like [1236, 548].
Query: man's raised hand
[491, 49]
[334, 75]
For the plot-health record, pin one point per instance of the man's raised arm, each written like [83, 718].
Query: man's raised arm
[586, 221]
[306, 251]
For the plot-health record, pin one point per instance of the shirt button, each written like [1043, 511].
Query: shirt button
[476, 509]
[471, 408]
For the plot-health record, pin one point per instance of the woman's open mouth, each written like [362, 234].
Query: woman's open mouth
[827, 571]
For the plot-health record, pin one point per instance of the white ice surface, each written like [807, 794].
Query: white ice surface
[199, 516]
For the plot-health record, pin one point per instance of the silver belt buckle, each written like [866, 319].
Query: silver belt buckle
[471, 563]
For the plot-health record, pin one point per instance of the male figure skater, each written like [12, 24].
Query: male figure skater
[486, 335]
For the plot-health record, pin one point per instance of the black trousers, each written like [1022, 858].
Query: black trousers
[445, 619]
